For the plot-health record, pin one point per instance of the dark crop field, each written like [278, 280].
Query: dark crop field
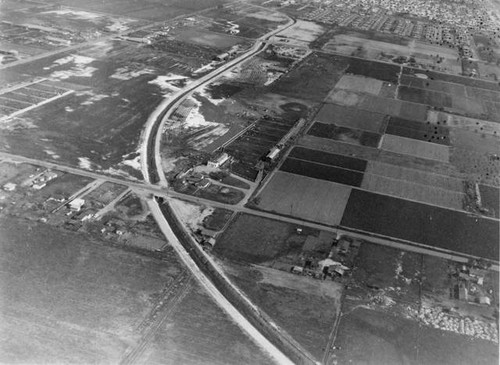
[322, 172]
[249, 148]
[344, 134]
[421, 223]
[313, 78]
[351, 117]
[346, 162]
[376, 70]
[417, 130]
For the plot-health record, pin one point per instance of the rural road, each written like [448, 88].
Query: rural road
[145, 188]
[151, 160]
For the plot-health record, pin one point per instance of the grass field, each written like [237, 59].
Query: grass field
[304, 197]
[368, 336]
[68, 299]
[253, 239]
[426, 224]
[412, 147]
[351, 117]
[413, 191]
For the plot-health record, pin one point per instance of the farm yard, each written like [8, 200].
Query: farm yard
[305, 198]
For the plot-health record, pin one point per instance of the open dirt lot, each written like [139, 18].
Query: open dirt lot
[304, 197]
[305, 308]
[412, 147]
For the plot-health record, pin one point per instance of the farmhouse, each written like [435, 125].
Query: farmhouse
[219, 161]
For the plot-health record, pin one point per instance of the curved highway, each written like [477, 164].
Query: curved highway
[279, 345]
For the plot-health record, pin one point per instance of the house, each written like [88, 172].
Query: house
[219, 161]
[76, 204]
[9, 187]
[203, 183]
[271, 156]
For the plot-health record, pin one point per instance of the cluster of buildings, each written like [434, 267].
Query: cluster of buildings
[428, 20]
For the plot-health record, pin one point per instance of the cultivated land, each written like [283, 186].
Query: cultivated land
[302, 197]
[99, 304]
[347, 179]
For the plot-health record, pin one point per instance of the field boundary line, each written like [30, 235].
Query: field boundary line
[46, 101]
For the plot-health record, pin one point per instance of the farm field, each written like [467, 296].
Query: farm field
[373, 154]
[198, 332]
[417, 148]
[351, 117]
[322, 172]
[423, 193]
[303, 197]
[303, 307]
[359, 84]
[466, 81]
[346, 162]
[98, 302]
[345, 134]
[421, 223]
[257, 240]
[378, 105]
[380, 337]
[419, 131]
[418, 176]
[376, 70]
[313, 78]
[490, 198]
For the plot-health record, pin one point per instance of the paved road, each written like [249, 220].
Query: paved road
[145, 189]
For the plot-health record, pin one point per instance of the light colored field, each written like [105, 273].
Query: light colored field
[413, 191]
[414, 175]
[306, 198]
[413, 147]
[360, 84]
[303, 31]
[465, 123]
[344, 97]
[371, 49]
